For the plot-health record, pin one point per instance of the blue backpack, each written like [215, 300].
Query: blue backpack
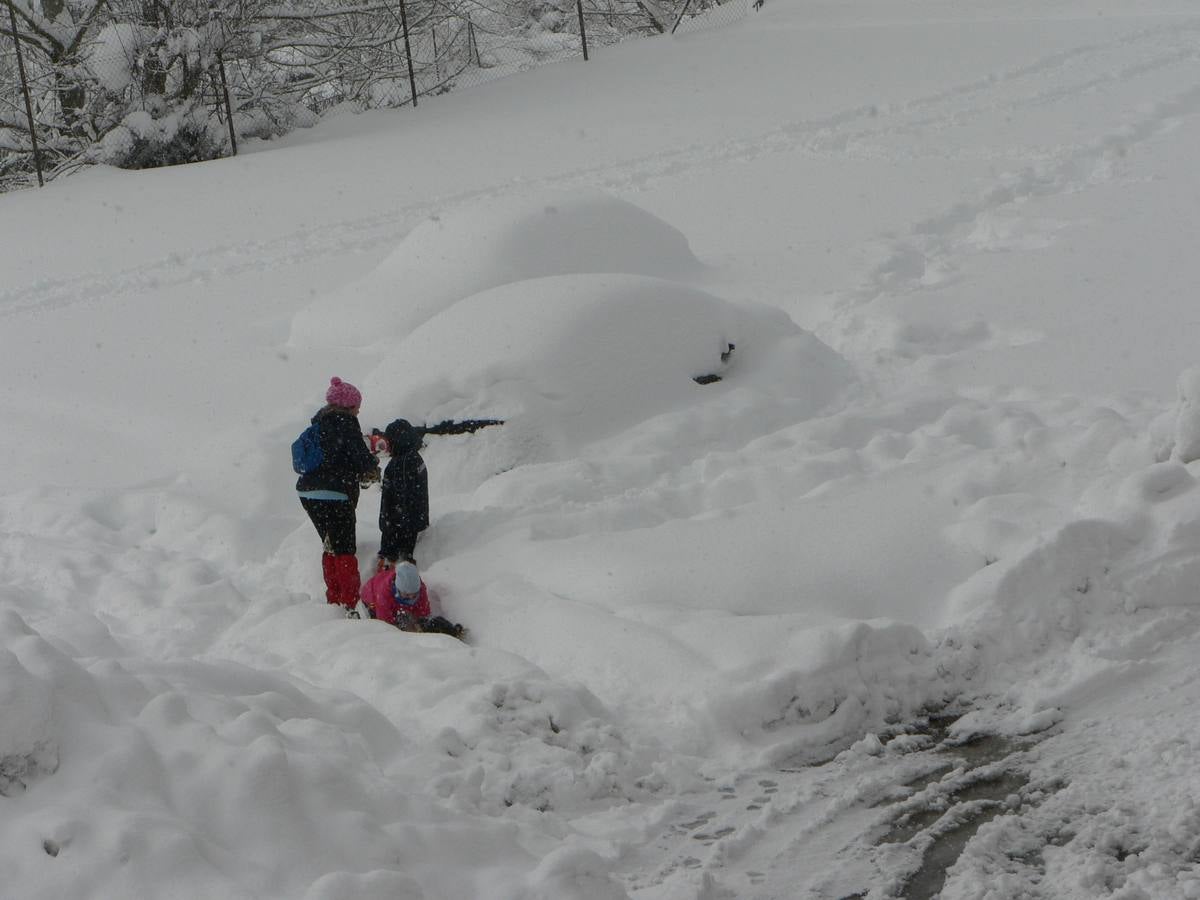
[306, 450]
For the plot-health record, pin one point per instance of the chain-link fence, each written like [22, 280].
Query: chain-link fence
[172, 81]
[467, 43]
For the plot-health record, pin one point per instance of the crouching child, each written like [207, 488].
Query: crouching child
[399, 596]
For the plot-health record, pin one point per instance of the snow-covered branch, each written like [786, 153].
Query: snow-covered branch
[95, 63]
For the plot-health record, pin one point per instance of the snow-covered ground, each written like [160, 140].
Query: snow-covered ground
[907, 603]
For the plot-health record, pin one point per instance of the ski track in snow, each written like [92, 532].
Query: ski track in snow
[942, 237]
[859, 132]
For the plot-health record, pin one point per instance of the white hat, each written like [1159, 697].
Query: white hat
[408, 580]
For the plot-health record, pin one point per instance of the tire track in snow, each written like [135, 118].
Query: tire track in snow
[880, 821]
[828, 135]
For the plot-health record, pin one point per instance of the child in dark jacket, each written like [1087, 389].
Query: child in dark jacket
[329, 493]
[404, 505]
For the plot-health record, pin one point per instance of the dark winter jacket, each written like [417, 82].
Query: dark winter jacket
[346, 459]
[404, 506]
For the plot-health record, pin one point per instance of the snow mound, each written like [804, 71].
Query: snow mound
[1093, 597]
[28, 748]
[197, 773]
[494, 730]
[570, 360]
[1187, 418]
[456, 254]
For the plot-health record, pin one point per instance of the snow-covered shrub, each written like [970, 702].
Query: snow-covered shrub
[171, 144]
[272, 118]
[546, 16]
[141, 141]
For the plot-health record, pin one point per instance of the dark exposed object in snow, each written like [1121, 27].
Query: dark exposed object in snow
[712, 377]
[19, 769]
[377, 440]
[466, 426]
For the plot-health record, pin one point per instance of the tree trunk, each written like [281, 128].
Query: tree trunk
[71, 99]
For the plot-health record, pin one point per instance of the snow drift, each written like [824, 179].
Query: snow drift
[462, 251]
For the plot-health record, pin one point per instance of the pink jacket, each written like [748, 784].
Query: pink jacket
[379, 597]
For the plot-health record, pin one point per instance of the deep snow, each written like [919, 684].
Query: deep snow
[950, 466]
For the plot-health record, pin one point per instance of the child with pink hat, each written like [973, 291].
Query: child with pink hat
[329, 491]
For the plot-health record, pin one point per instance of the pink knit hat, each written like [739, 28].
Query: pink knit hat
[342, 393]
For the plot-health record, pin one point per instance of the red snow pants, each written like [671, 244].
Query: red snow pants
[342, 582]
[334, 521]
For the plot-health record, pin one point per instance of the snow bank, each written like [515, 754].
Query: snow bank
[28, 740]
[1187, 417]
[1091, 598]
[197, 774]
[1113, 806]
[491, 731]
[456, 253]
[733, 636]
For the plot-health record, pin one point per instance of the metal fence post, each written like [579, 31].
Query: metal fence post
[437, 59]
[412, 79]
[228, 106]
[582, 29]
[472, 44]
[679, 18]
[37, 153]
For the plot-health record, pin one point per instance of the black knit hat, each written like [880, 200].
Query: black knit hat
[402, 437]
